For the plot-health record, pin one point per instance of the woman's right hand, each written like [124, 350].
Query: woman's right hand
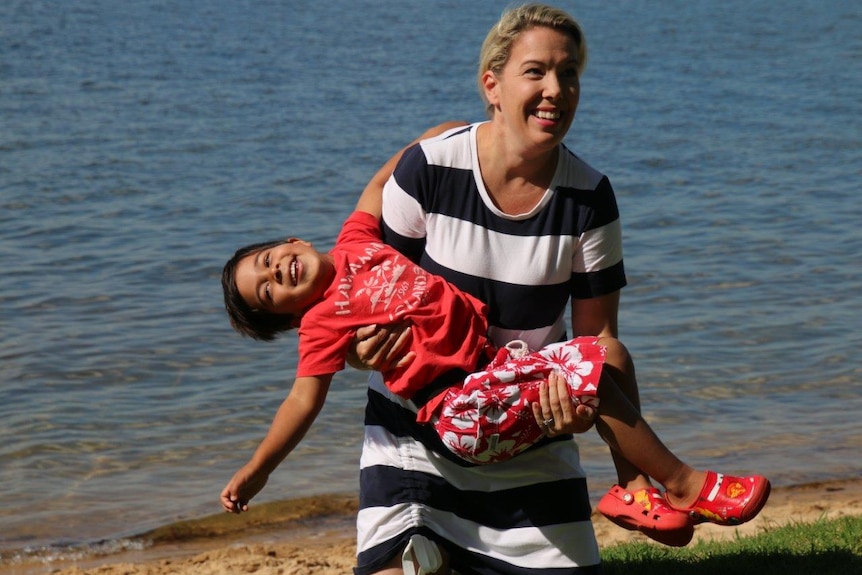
[381, 348]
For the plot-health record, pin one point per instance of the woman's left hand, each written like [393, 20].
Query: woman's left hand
[381, 348]
[556, 413]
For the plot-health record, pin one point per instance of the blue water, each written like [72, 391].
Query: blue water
[142, 142]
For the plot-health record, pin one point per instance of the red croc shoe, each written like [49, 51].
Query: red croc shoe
[728, 500]
[645, 510]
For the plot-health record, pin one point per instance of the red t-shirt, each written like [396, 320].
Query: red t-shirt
[375, 284]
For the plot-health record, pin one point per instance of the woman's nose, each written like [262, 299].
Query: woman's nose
[552, 87]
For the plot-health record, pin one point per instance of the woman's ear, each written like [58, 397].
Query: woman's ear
[490, 84]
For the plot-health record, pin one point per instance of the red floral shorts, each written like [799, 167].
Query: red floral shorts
[489, 419]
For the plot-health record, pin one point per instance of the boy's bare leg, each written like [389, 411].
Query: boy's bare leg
[633, 441]
[620, 367]
[700, 495]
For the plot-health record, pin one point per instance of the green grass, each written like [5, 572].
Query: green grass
[826, 547]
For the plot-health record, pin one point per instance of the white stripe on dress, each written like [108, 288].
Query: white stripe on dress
[552, 546]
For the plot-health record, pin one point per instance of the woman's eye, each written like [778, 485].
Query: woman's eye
[266, 260]
[267, 292]
[534, 72]
[570, 73]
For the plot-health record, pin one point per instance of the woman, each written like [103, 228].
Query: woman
[504, 211]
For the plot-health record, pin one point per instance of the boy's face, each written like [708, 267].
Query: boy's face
[286, 279]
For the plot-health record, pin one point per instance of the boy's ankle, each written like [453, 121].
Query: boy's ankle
[685, 492]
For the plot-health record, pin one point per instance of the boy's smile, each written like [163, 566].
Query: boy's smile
[286, 279]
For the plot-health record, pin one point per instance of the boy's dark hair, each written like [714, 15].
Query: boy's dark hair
[254, 323]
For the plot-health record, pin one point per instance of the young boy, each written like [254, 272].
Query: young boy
[483, 417]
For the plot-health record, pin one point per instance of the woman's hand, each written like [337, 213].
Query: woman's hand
[556, 413]
[381, 348]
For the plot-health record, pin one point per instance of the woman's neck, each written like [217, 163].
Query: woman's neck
[515, 180]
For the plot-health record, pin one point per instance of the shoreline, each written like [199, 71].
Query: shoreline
[315, 535]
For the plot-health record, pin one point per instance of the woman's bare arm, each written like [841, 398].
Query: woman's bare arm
[371, 200]
[382, 347]
[596, 316]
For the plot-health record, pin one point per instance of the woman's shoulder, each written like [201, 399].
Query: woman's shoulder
[575, 172]
[453, 148]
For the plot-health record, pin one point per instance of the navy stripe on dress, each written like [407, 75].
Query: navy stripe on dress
[526, 506]
[571, 211]
[401, 422]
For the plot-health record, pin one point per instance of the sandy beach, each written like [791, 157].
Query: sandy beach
[315, 536]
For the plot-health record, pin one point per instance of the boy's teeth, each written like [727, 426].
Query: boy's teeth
[293, 271]
[548, 115]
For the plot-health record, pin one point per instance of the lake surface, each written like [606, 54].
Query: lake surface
[143, 142]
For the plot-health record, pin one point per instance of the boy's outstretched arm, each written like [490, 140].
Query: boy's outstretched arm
[371, 200]
[289, 426]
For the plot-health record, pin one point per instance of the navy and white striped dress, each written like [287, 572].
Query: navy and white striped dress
[529, 515]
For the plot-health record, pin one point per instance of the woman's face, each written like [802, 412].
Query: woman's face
[537, 92]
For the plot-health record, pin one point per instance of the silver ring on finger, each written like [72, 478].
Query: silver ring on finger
[548, 422]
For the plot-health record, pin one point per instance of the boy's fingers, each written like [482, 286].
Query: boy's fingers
[228, 504]
[230, 501]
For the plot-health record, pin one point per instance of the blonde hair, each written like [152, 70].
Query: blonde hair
[497, 46]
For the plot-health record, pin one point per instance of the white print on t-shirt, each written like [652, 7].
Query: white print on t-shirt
[382, 286]
[410, 298]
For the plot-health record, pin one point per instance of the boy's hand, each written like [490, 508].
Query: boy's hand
[244, 485]
[381, 348]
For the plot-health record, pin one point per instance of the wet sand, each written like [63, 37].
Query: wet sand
[316, 536]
